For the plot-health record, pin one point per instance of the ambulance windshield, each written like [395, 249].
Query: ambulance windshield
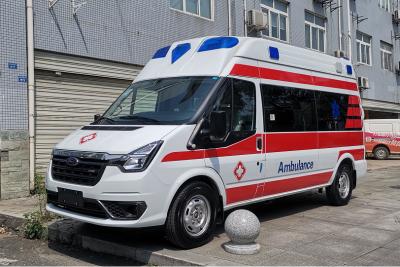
[160, 101]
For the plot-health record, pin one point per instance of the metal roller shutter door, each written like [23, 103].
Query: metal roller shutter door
[63, 104]
[66, 102]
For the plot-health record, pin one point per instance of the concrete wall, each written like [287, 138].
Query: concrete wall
[14, 164]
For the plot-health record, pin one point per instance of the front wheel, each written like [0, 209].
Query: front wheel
[192, 217]
[339, 192]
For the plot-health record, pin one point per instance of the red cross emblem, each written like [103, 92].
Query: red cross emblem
[239, 171]
[87, 138]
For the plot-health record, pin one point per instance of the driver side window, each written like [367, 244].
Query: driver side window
[237, 99]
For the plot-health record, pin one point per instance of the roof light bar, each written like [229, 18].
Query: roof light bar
[162, 52]
[179, 51]
[218, 43]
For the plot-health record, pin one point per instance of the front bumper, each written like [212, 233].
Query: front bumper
[117, 210]
[93, 220]
[114, 187]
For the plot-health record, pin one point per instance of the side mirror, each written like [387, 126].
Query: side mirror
[97, 117]
[218, 127]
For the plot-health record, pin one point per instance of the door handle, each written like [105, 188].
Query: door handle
[259, 143]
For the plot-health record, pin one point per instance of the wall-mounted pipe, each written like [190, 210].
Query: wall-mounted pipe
[245, 17]
[349, 22]
[229, 17]
[31, 91]
[340, 23]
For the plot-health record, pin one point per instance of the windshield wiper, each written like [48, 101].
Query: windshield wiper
[102, 118]
[139, 118]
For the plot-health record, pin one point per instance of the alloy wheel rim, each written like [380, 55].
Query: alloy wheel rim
[197, 215]
[344, 185]
[381, 153]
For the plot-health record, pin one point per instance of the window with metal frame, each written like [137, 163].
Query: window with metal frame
[315, 32]
[363, 48]
[288, 109]
[386, 56]
[277, 12]
[201, 8]
[237, 99]
[385, 4]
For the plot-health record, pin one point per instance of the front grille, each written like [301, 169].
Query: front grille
[90, 206]
[86, 172]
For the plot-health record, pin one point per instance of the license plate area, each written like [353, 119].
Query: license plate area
[70, 197]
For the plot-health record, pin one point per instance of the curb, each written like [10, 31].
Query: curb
[70, 233]
[11, 222]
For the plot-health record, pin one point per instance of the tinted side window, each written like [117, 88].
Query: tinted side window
[244, 105]
[288, 109]
[332, 111]
[224, 102]
[237, 98]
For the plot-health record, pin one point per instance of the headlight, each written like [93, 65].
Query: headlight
[139, 159]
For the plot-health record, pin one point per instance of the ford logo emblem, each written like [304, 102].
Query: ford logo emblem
[72, 161]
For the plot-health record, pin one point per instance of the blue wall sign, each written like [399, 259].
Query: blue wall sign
[12, 66]
[22, 79]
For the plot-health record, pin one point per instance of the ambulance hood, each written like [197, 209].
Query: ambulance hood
[114, 139]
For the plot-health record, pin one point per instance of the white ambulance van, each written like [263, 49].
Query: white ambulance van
[211, 124]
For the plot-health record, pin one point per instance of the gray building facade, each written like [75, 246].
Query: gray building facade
[87, 51]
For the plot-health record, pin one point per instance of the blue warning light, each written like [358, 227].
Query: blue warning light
[218, 43]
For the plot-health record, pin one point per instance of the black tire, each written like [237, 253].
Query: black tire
[381, 153]
[176, 232]
[333, 192]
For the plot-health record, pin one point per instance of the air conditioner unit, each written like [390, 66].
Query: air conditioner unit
[363, 82]
[339, 53]
[258, 19]
[396, 15]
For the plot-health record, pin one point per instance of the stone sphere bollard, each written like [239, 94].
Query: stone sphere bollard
[243, 228]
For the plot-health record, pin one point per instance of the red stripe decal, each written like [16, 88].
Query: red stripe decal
[354, 112]
[247, 192]
[354, 100]
[358, 154]
[184, 155]
[330, 140]
[353, 124]
[246, 71]
[244, 147]
[279, 75]
[282, 142]
[277, 142]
